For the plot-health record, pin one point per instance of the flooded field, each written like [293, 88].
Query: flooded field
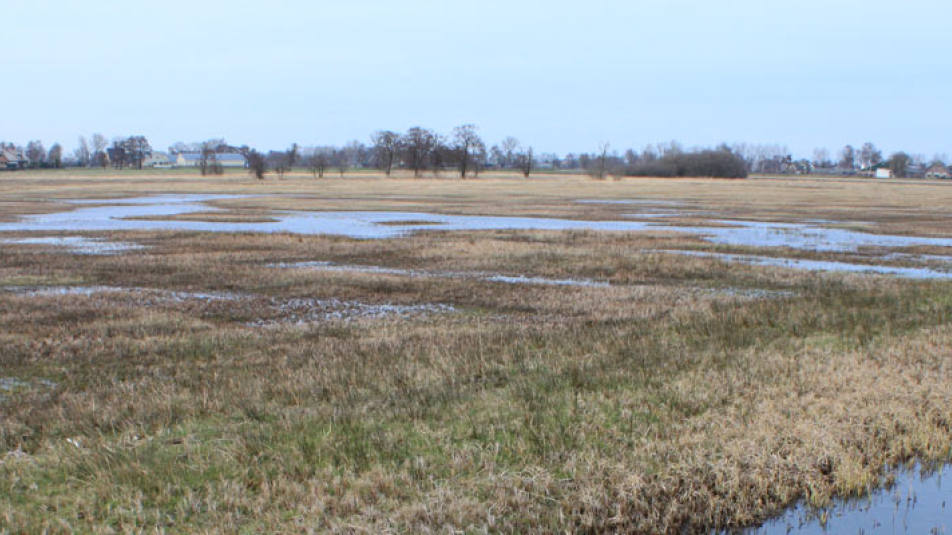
[131, 214]
[137, 214]
[396, 355]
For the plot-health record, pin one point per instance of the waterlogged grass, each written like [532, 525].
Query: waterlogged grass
[661, 403]
[429, 427]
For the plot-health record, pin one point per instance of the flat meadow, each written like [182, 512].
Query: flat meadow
[500, 380]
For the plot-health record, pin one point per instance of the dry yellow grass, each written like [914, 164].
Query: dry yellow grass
[671, 401]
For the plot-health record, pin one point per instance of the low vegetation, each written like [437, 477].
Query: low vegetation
[686, 396]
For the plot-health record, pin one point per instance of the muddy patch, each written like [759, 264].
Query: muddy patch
[78, 244]
[264, 311]
[488, 277]
[304, 312]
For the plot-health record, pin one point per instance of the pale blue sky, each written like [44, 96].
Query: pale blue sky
[560, 75]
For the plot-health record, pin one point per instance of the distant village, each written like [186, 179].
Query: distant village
[422, 149]
[133, 152]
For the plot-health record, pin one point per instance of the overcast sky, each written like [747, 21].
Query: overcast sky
[560, 75]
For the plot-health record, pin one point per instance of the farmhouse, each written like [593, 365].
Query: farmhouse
[192, 159]
[157, 159]
[12, 159]
[884, 172]
[938, 171]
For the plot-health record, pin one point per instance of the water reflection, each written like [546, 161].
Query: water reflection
[918, 502]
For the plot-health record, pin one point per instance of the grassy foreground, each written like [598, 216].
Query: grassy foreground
[688, 395]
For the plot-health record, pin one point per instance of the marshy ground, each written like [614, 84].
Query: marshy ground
[454, 380]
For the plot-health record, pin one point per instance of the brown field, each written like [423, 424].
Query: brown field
[210, 391]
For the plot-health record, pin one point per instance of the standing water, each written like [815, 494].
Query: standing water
[918, 502]
[139, 214]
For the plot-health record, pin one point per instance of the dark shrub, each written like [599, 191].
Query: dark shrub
[656, 168]
[708, 163]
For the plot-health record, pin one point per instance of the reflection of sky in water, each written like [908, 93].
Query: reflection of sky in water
[78, 244]
[806, 237]
[115, 217]
[490, 277]
[824, 265]
[915, 504]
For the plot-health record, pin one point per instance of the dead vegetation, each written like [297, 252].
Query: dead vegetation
[666, 402]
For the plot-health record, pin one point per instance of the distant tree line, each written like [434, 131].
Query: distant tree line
[463, 151]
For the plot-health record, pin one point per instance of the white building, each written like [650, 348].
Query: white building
[157, 159]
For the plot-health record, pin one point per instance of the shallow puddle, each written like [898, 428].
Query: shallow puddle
[801, 236]
[489, 277]
[166, 295]
[11, 386]
[78, 244]
[520, 279]
[660, 215]
[631, 201]
[917, 503]
[821, 265]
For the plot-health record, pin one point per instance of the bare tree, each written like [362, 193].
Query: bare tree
[601, 163]
[417, 147]
[899, 164]
[278, 160]
[55, 157]
[355, 151]
[257, 164]
[293, 153]
[821, 158]
[131, 151]
[36, 153]
[319, 160]
[525, 161]
[385, 145]
[509, 148]
[468, 147]
[631, 158]
[441, 155]
[83, 155]
[848, 158]
[341, 161]
[99, 143]
[208, 158]
[648, 155]
[670, 148]
[117, 155]
[869, 156]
